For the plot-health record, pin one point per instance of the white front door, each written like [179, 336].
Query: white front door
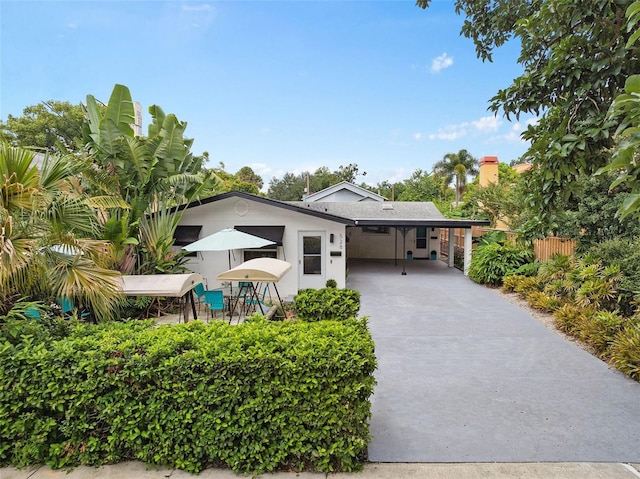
[311, 262]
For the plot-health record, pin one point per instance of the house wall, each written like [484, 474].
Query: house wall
[369, 245]
[232, 212]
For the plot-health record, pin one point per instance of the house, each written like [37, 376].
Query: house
[317, 235]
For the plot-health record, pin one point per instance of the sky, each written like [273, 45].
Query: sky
[280, 86]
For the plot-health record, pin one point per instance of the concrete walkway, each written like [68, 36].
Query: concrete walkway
[466, 376]
[137, 470]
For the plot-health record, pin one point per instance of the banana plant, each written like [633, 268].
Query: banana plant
[143, 171]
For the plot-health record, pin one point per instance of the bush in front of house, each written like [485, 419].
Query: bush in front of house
[490, 263]
[327, 304]
[256, 397]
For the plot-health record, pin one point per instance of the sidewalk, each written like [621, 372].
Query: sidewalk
[137, 470]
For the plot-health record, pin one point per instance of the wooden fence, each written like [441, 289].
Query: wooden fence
[543, 249]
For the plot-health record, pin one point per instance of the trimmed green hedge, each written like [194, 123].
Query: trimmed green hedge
[327, 303]
[257, 397]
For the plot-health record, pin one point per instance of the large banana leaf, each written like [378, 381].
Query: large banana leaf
[110, 137]
[157, 118]
[120, 109]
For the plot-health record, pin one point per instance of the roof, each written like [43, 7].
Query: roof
[359, 213]
[257, 270]
[267, 201]
[390, 213]
[324, 195]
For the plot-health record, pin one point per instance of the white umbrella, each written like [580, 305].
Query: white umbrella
[228, 239]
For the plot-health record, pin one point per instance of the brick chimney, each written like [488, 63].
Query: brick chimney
[488, 170]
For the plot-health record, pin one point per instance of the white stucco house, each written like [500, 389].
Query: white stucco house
[317, 235]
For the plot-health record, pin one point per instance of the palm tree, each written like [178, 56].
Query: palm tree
[446, 168]
[46, 226]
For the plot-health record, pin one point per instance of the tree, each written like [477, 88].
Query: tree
[591, 215]
[292, 187]
[53, 126]
[626, 109]
[247, 175]
[145, 172]
[46, 230]
[575, 63]
[422, 186]
[458, 166]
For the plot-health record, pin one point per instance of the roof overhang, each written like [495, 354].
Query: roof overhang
[431, 223]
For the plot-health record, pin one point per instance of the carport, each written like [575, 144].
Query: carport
[403, 226]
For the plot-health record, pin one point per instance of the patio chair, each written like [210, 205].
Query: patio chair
[258, 303]
[68, 308]
[214, 301]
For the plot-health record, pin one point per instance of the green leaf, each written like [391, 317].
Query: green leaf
[632, 85]
[120, 109]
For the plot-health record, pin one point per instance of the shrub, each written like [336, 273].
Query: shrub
[327, 303]
[600, 329]
[492, 262]
[528, 269]
[257, 397]
[331, 283]
[542, 301]
[625, 351]
[626, 254]
[569, 317]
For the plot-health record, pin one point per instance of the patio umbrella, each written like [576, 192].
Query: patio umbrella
[228, 239]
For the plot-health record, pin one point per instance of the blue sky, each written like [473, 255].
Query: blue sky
[281, 86]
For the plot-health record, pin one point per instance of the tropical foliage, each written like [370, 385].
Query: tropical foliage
[457, 166]
[147, 173]
[576, 56]
[48, 226]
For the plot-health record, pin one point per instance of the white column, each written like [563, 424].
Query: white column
[451, 247]
[467, 250]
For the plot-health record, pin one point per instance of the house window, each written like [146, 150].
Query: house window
[260, 253]
[375, 230]
[185, 235]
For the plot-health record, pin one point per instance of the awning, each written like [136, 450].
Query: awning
[169, 285]
[272, 233]
[257, 270]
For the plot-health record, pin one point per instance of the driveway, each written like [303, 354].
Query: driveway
[466, 376]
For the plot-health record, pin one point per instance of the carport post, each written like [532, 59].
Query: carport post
[404, 251]
[467, 250]
[452, 251]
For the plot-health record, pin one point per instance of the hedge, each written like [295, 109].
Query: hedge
[327, 304]
[257, 397]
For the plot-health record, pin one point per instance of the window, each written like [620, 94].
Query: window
[312, 254]
[375, 230]
[185, 235]
[260, 253]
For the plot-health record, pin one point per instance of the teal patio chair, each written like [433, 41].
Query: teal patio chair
[214, 301]
[68, 308]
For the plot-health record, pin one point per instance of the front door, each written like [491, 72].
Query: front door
[421, 243]
[311, 265]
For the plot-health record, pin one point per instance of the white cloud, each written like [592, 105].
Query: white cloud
[417, 136]
[261, 169]
[441, 62]
[486, 124]
[450, 133]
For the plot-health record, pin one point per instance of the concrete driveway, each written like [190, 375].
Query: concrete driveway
[466, 376]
